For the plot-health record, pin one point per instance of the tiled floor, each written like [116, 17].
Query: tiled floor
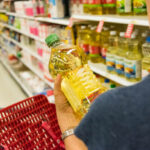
[10, 92]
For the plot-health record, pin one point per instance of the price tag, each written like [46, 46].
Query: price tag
[129, 30]
[100, 26]
[70, 22]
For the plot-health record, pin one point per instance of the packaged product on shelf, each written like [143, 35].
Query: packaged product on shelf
[139, 7]
[17, 23]
[146, 58]
[94, 47]
[112, 51]
[76, 7]
[19, 7]
[133, 60]
[56, 9]
[124, 7]
[68, 60]
[109, 6]
[121, 54]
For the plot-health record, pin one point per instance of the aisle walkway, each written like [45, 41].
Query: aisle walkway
[10, 92]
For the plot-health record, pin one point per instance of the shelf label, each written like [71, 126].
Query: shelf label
[129, 30]
[70, 22]
[100, 26]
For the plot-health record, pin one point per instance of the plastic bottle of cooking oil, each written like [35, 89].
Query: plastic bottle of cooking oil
[133, 60]
[139, 7]
[112, 51]
[146, 58]
[79, 84]
[124, 7]
[109, 6]
[104, 43]
[121, 54]
[95, 7]
[94, 47]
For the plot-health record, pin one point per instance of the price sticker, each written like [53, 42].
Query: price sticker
[129, 30]
[100, 26]
[71, 22]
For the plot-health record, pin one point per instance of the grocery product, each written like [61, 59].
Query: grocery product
[124, 7]
[79, 84]
[111, 52]
[139, 7]
[109, 6]
[106, 83]
[146, 58]
[120, 55]
[133, 60]
[94, 47]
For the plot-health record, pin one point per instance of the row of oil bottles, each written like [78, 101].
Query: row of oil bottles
[126, 57]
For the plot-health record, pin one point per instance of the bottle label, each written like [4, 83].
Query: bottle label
[109, 3]
[132, 68]
[139, 6]
[119, 65]
[103, 52]
[110, 62]
[124, 6]
[95, 2]
[85, 47]
[94, 49]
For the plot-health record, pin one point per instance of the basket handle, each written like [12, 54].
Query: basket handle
[48, 128]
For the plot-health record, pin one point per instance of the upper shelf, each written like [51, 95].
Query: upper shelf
[136, 20]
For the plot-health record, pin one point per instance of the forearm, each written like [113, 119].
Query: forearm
[73, 143]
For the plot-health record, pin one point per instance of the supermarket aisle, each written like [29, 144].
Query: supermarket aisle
[10, 92]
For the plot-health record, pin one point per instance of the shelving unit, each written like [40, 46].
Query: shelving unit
[15, 76]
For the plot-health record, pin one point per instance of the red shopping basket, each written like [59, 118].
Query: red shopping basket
[30, 125]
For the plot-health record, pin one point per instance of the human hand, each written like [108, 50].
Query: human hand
[65, 115]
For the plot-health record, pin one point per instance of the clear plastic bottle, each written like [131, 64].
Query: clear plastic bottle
[79, 84]
[133, 60]
[112, 51]
[121, 54]
[109, 6]
[146, 58]
[124, 7]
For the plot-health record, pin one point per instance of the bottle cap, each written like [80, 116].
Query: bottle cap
[113, 32]
[148, 39]
[112, 86]
[107, 81]
[19, 55]
[122, 34]
[51, 39]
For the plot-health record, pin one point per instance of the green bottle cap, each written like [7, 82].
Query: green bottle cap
[19, 55]
[112, 86]
[51, 39]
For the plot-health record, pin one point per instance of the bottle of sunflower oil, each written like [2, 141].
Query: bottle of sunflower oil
[121, 54]
[104, 43]
[94, 47]
[146, 58]
[133, 60]
[109, 6]
[124, 7]
[86, 7]
[112, 51]
[79, 84]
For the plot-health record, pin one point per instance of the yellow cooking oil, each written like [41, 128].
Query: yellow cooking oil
[121, 54]
[124, 7]
[79, 84]
[109, 6]
[133, 60]
[111, 52]
[104, 43]
[146, 58]
[94, 47]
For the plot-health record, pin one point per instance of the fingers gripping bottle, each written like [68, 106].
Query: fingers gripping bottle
[79, 84]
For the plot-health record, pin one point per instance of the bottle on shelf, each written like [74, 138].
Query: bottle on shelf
[106, 84]
[133, 60]
[112, 86]
[124, 7]
[109, 6]
[121, 53]
[112, 51]
[94, 47]
[79, 84]
[139, 7]
[146, 58]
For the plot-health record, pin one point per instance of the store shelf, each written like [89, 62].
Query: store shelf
[101, 70]
[136, 20]
[15, 76]
[22, 32]
[23, 47]
[2, 11]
